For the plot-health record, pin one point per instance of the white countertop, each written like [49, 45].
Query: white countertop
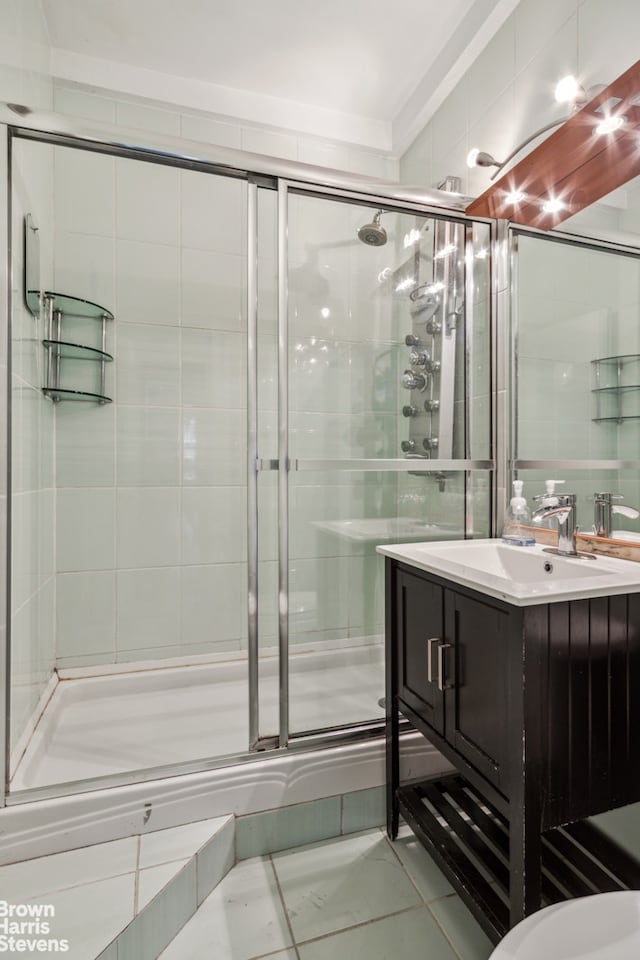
[522, 576]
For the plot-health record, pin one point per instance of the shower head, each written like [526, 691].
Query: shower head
[373, 233]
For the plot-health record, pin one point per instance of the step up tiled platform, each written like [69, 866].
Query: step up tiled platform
[123, 900]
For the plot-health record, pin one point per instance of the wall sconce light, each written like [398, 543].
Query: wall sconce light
[478, 158]
[593, 151]
[568, 90]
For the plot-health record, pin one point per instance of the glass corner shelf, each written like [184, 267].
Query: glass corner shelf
[58, 307]
[69, 306]
[58, 393]
[615, 419]
[616, 380]
[76, 351]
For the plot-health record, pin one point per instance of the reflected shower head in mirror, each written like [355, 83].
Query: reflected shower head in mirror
[373, 234]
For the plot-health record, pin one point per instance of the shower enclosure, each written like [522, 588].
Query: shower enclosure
[221, 400]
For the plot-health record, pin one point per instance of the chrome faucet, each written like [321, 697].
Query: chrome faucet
[604, 508]
[563, 507]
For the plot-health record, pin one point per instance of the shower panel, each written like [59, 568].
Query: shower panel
[436, 311]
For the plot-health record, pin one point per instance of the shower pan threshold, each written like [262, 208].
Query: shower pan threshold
[126, 721]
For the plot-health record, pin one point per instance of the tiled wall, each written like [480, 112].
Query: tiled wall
[24, 78]
[25, 54]
[150, 505]
[179, 422]
[99, 105]
[150, 490]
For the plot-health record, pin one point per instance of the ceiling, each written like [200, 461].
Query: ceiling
[364, 71]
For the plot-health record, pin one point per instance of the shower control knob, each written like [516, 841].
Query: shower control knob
[419, 358]
[432, 366]
[412, 340]
[434, 326]
[430, 443]
[409, 411]
[431, 406]
[413, 381]
[408, 446]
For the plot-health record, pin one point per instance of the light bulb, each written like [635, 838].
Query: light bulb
[568, 90]
[472, 156]
[552, 205]
[516, 196]
[609, 124]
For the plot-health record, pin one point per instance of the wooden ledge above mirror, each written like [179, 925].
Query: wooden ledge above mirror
[575, 165]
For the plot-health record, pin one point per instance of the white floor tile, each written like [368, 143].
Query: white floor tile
[46, 875]
[335, 884]
[90, 916]
[242, 918]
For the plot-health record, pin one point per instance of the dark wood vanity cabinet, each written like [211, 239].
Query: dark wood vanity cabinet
[453, 655]
[538, 709]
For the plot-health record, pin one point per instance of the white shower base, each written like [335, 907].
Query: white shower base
[100, 725]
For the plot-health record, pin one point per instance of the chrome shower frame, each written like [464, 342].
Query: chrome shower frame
[260, 173]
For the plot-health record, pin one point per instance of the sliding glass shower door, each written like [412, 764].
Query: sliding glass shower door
[384, 430]
[226, 391]
[129, 470]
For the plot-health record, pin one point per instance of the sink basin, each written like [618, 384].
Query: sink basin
[520, 575]
[520, 564]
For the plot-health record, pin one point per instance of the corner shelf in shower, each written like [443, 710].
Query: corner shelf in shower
[615, 380]
[57, 306]
[57, 394]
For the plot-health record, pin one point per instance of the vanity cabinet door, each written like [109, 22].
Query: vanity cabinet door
[476, 670]
[419, 633]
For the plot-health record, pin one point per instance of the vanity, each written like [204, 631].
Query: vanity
[523, 669]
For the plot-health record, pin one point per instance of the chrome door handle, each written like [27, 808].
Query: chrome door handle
[441, 684]
[430, 643]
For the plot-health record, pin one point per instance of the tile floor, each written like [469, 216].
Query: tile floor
[357, 897]
[95, 892]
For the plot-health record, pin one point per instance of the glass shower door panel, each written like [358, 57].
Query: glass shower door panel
[381, 363]
[138, 513]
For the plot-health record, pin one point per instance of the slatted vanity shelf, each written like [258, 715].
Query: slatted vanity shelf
[537, 707]
[56, 308]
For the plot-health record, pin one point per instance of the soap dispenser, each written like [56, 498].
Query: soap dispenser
[517, 519]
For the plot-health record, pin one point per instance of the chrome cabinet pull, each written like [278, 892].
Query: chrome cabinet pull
[430, 643]
[441, 684]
